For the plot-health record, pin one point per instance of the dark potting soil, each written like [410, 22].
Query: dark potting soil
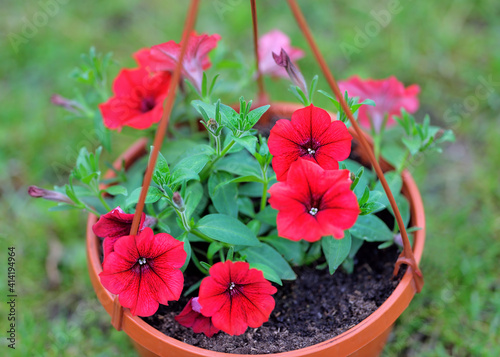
[314, 308]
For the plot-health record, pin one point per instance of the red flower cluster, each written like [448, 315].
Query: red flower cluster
[312, 135]
[144, 271]
[233, 297]
[139, 93]
[389, 95]
[314, 198]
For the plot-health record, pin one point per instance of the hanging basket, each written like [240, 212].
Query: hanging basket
[365, 339]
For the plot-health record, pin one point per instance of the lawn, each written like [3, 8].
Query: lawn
[450, 48]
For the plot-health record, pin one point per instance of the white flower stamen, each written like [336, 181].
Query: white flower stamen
[141, 261]
[311, 151]
[232, 286]
[313, 211]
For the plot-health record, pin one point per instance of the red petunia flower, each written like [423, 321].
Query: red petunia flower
[389, 96]
[191, 317]
[314, 202]
[274, 41]
[312, 135]
[114, 225]
[236, 297]
[164, 57]
[144, 271]
[137, 101]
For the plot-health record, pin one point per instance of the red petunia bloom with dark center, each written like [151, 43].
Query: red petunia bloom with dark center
[191, 317]
[137, 101]
[144, 271]
[236, 297]
[312, 135]
[164, 57]
[314, 202]
[389, 96]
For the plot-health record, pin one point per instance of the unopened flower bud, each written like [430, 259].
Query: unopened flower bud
[212, 125]
[38, 192]
[283, 60]
[398, 240]
[178, 201]
[69, 105]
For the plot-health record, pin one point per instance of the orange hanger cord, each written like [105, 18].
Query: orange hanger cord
[167, 109]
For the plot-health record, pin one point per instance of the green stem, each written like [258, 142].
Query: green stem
[403, 163]
[197, 263]
[206, 171]
[104, 203]
[263, 200]
[201, 235]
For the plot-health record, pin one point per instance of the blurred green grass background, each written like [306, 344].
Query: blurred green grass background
[450, 48]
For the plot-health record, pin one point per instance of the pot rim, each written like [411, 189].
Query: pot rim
[346, 343]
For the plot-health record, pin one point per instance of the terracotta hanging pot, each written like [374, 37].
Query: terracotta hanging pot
[367, 338]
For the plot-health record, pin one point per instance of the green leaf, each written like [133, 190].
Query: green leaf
[336, 250]
[161, 170]
[412, 144]
[248, 142]
[404, 208]
[293, 252]
[194, 159]
[254, 116]
[268, 215]
[194, 194]
[227, 229]
[246, 206]
[223, 196]
[213, 248]
[395, 184]
[241, 164]
[371, 229]
[116, 190]
[153, 195]
[268, 272]
[183, 174]
[267, 255]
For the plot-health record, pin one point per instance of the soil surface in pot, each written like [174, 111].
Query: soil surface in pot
[314, 308]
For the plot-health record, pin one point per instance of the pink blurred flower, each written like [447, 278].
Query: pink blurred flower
[389, 95]
[274, 41]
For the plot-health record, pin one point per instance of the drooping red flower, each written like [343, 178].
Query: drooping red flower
[144, 271]
[314, 202]
[137, 101]
[113, 225]
[312, 135]
[389, 96]
[191, 317]
[236, 297]
[164, 57]
[274, 41]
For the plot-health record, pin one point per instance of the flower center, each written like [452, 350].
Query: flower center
[311, 151]
[147, 104]
[232, 286]
[141, 261]
[313, 211]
